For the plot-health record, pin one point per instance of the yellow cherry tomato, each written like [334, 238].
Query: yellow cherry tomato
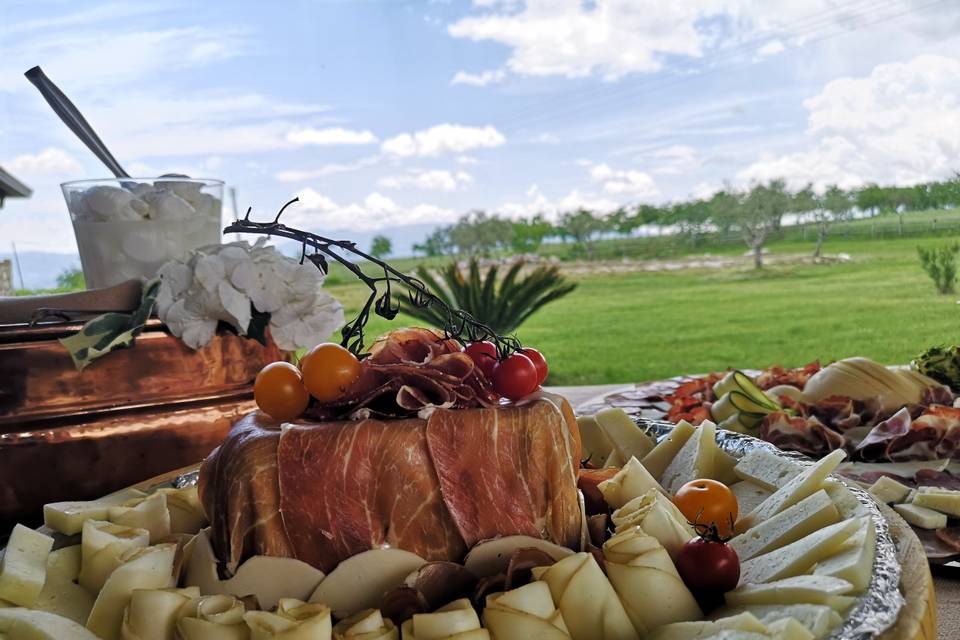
[708, 502]
[328, 371]
[279, 391]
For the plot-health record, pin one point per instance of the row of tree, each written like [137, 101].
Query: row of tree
[753, 213]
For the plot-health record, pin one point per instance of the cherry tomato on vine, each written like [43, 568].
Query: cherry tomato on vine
[538, 361]
[484, 355]
[708, 565]
[279, 391]
[708, 502]
[328, 371]
[515, 377]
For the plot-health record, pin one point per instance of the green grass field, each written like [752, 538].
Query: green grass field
[639, 326]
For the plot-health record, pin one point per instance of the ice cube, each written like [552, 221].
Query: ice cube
[167, 205]
[111, 203]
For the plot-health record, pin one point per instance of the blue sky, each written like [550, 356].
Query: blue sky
[396, 116]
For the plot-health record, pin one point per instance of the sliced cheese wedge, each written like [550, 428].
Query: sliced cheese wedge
[798, 557]
[24, 566]
[942, 500]
[27, 624]
[68, 517]
[748, 495]
[855, 565]
[887, 490]
[723, 467]
[847, 503]
[817, 618]
[624, 434]
[788, 629]
[695, 630]
[632, 481]
[766, 469]
[596, 446]
[667, 449]
[696, 459]
[61, 594]
[921, 516]
[793, 523]
[806, 589]
[796, 489]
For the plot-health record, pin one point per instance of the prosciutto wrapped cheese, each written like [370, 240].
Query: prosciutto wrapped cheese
[589, 605]
[656, 516]
[455, 621]
[322, 493]
[293, 620]
[152, 613]
[212, 618]
[368, 624]
[526, 612]
[644, 577]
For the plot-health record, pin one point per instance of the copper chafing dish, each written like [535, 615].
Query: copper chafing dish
[133, 414]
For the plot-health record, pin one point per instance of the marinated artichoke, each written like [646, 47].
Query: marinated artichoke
[941, 363]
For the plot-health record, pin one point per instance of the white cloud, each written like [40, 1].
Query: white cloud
[771, 48]
[376, 211]
[443, 138]
[900, 124]
[466, 160]
[299, 175]
[537, 202]
[546, 138]
[479, 79]
[330, 136]
[49, 161]
[624, 182]
[432, 180]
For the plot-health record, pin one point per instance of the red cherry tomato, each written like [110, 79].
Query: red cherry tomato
[538, 361]
[484, 355]
[515, 377]
[279, 391]
[708, 565]
[707, 502]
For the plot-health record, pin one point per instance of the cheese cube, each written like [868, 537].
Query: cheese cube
[807, 516]
[921, 516]
[697, 629]
[694, 460]
[887, 490]
[766, 469]
[806, 589]
[798, 557]
[942, 500]
[796, 489]
[24, 566]
[789, 629]
[854, 565]
[817, 618]
[667, 449]
[748, 495]
[624, 434]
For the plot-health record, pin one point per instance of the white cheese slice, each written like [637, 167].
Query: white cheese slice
[723, 467]
[24, 566]
[748, 495]
[796, 489]
[817, 618]
[846, 502]
[921, 516]
[68, 517]
[906, 469]
[735, 634]
[788, 629]
[666, 450]
[624, 434]
[699, 629]
[793, 523]
[61, 594]
[694, 460]
[798, 557]
[942, 500]
[632, 481]
[150, 513]
[26, 624]
[887, 490]
[855, 565]
[595, 445]
[806, 589]
[766, 469]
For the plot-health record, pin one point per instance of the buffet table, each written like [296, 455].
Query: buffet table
[946, 579]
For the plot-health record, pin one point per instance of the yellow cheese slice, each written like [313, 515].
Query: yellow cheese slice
[766, 469]
[796, 489]
[921, 516]
[819, 619]
[666, 450]
[788, 629]
[694, 460]
[748, 495]
[793, 523]
[61, 594]
[887, 490]
[632, 481]
[24, 566]
[624, 434]
[942, 500]
[26, 624]
[806, 589]
[696, 630]
[854, 565]
[595, 445]
[846, 502]
[68, 517]
[798, 557]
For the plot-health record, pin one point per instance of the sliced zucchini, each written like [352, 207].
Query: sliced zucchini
[727, 384]
[746, 404]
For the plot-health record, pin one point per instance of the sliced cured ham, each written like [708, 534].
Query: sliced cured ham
[322, 492]
[796, 433]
